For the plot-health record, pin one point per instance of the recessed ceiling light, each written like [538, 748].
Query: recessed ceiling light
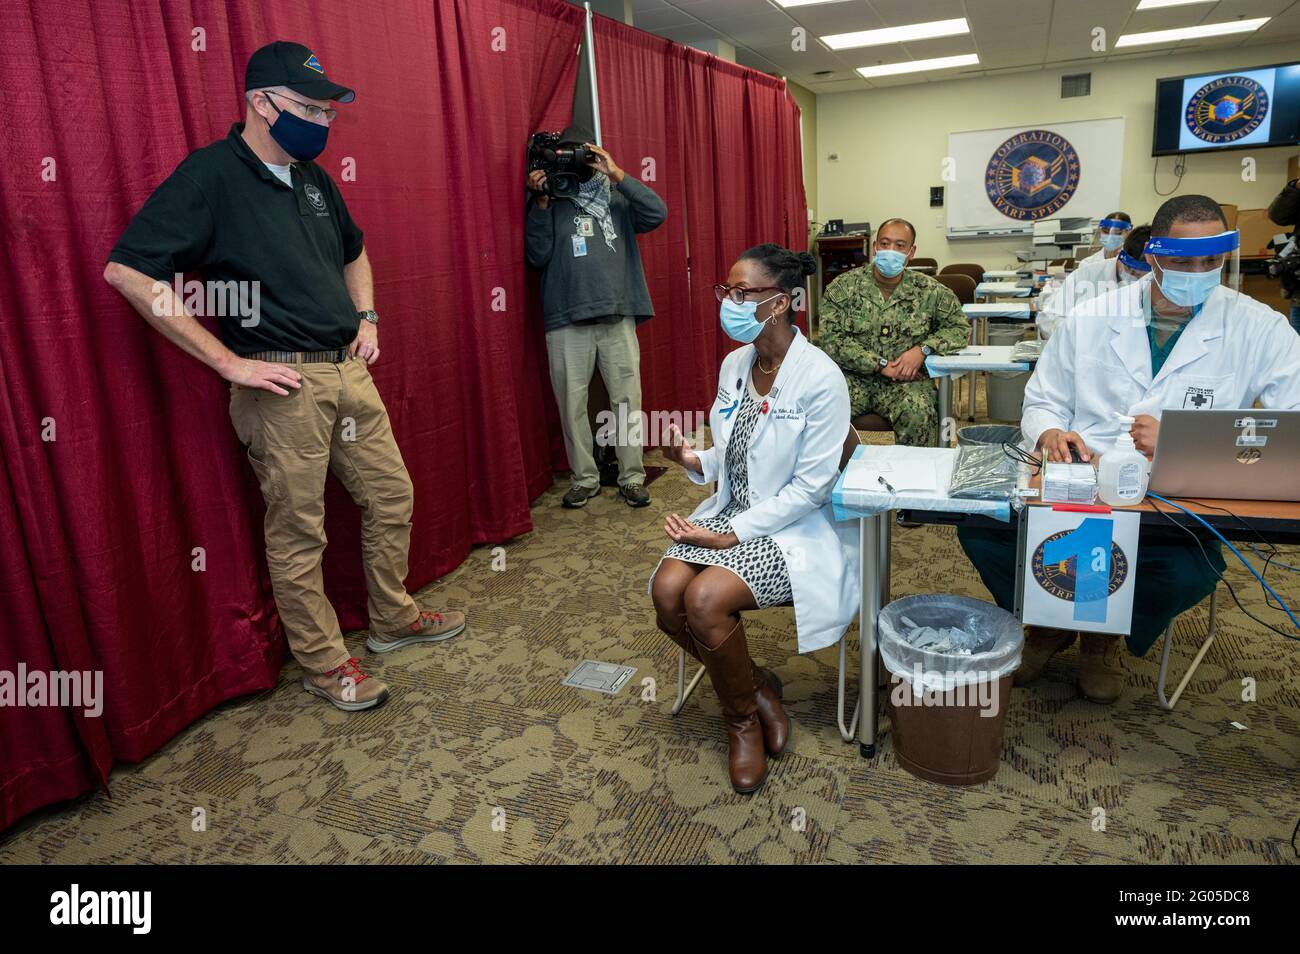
[902, 34]
[1157, 4]
[919, 66]
[1191, 33]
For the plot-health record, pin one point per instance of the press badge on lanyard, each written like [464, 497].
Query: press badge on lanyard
[586, 227]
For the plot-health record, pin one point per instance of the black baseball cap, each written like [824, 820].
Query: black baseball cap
[293, 65]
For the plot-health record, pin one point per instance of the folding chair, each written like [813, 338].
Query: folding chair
[1168, 704]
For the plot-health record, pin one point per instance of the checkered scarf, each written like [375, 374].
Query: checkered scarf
[593, 198]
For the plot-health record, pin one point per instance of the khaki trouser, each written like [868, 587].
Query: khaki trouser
[335, 423]
[574, 350]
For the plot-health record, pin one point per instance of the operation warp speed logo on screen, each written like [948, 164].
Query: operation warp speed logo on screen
[1226, 109]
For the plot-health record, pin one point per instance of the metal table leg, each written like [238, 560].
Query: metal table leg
[945, 405]
[868, 614]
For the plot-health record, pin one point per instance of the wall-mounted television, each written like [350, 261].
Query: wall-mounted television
[1232, 109]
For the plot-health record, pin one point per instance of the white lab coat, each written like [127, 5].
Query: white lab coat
[1096, 256]
[1091, 278]
[1098, 364]
[793, 462]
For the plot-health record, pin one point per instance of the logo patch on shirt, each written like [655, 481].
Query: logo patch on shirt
[316, 198]
[314, 64]
[1201, 399]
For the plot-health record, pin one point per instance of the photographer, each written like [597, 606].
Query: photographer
[1285, 211]
[593, 294]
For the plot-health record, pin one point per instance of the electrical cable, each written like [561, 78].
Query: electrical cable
[1180, 166]
[1246, 563]
[1020, 455]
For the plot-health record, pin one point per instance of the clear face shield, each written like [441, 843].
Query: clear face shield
[1189, 269]
[1110, 234]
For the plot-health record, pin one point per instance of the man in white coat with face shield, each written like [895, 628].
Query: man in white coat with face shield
[1177, 339]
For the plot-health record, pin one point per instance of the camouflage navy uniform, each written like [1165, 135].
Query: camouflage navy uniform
[859, 327]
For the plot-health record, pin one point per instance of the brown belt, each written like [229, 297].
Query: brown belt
[300, 357]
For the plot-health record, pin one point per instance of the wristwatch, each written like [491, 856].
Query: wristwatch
[370, 316]
[927, 350]
[882, 362]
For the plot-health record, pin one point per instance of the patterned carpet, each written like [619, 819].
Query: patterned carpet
[482, 756]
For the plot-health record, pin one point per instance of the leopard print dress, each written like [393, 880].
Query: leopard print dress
[759, 562]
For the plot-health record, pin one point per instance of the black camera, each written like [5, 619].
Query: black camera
[1286, 266]
[561, 162]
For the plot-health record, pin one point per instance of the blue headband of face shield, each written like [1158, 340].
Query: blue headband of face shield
[1133, 264]
[1116, 224]
[1193, 247]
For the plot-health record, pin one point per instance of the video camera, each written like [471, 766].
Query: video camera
[561, 163]
[1285, 267]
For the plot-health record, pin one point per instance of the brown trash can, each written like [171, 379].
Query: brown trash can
[948, 691]
[951, 744]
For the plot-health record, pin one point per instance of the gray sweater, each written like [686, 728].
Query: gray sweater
[603, 282]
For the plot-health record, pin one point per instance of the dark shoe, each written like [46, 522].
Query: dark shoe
[1101, 667]
[578, 497]
[635, 494]
[1041, 644]
[732, 673]
[776, 724]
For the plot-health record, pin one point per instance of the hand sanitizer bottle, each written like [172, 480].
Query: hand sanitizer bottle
[1122, 473]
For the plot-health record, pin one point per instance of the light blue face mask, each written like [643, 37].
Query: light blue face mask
[738, 321]
[1189, 289]
[1110, 242]
[890, 262]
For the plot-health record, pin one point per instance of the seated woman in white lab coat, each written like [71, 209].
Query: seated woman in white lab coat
[1176, 339]
[1111, 232]
[779, 424]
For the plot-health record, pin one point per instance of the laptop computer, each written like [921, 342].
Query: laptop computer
[1244, 454]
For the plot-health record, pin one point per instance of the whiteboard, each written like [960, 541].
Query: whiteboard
[1003, 180]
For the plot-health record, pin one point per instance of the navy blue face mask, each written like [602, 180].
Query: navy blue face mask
[296, 136]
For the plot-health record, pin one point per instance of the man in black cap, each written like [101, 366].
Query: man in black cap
[265, 225]
[593, 295]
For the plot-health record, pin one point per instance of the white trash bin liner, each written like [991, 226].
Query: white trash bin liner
[954, 640]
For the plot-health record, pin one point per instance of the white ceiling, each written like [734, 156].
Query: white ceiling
[1008, 35]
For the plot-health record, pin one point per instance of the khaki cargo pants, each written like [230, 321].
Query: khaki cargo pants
[335, 423]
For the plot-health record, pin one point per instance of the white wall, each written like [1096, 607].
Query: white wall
[891, 143]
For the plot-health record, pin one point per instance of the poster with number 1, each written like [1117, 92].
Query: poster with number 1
[1079, 568]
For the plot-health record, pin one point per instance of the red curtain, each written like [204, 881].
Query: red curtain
[744, 181]
[118, 458]
[729, 163]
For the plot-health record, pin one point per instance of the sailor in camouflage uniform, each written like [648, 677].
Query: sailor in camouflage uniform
[879, 322]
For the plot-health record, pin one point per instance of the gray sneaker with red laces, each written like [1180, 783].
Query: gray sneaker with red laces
[429, 627]
[347, 687]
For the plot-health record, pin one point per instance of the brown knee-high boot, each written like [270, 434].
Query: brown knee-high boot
[732, 673]
[767, 686]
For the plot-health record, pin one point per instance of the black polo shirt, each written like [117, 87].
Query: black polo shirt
[223, 214]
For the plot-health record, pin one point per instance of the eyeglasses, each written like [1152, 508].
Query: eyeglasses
[737, 293]
[310, 112]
